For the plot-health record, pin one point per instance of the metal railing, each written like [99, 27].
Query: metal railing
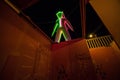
[103, 41]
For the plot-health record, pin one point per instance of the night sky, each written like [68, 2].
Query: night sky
[43, 14]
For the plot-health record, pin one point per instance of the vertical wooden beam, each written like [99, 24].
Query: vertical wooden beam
[83, 16]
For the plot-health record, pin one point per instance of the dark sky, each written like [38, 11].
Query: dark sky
[43, 14]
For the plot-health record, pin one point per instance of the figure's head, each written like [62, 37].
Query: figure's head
[59, 14]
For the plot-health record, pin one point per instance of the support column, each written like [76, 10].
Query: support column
[83, 16]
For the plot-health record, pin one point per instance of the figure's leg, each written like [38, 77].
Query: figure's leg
[66, 35]
[58, 35]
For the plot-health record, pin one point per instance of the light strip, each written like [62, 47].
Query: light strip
[61, 27]
[12, 6]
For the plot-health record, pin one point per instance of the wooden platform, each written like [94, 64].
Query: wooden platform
[71, 61]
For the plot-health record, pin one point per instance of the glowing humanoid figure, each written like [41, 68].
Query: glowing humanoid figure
[61, 27]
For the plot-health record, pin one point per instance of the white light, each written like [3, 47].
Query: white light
[90, 35]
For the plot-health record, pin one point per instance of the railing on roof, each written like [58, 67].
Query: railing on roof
[103, 41]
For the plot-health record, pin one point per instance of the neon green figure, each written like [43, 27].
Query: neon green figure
[61, 27]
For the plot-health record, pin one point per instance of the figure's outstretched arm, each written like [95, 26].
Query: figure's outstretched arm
[55, 28]
[68, 24]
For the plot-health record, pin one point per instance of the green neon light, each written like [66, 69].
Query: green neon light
[59, 14]
[61, 27]
[55, 29]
